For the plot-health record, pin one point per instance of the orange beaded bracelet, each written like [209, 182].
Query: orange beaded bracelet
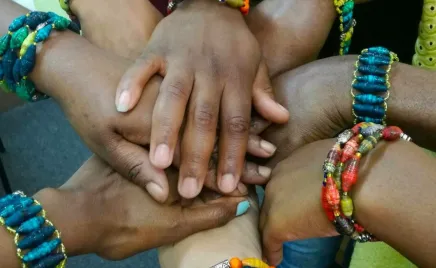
[240, 263]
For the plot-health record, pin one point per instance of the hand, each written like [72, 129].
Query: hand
[116, 27]
[207, 54]
[292, 207]
[317, 96]
[117, 219]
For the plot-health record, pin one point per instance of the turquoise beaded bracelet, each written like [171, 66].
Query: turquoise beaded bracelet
[371, 80]
[18, 50]
[38, 243]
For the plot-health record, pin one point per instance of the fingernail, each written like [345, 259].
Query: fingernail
[227, 183]
[264, 171]
[123, 102]
[162, 156]
[268, 146]
[242, 188]
[189, 188]
[154, 190]
[242, 208]
[283, 108]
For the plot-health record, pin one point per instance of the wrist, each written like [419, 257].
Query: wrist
[74, 216]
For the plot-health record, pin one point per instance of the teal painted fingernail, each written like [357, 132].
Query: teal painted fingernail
[242, 208]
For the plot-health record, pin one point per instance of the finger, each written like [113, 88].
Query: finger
[263, 98]
[132, 162]
[235, 117]
[272, 247]
[133, 81]
[255, 174]
[258, 124]
[199, 136]
[211, 183]
[168, 114]
[213, 214]
[259, 147]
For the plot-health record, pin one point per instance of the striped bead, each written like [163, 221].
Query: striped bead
[35, 18]
[369, 99]
[371, 130]
[17, 23]
[36, 238]
[21, 203]
[343, 226]
[370, 88]
[4, 201]
[20, 216]
[371, 79]
[371, 69]
[18, 37]
[348, 7]
[27, 43]
[347, 17]
[8, 61]
[42, 250]
[28, 61]
[16, 71]
[4, 43]
[43, 33]
[379, 50]
[31, 225]
[60, 23]
[369, 119]
[50, 261]
[347, 26]
[369, 110]
[372, 60]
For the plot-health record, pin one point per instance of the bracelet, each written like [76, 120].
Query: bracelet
[18, 50]
[344, 8]
[341, 172]
[65, 5]
[371, 78]
[425, 55]
[242, 263]
[25, 218]
[242, 5]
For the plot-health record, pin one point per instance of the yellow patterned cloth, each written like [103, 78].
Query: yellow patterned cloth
[425, 47]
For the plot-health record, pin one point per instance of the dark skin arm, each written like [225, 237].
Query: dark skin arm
[393, 199]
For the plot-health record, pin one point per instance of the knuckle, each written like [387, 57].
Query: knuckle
[165, 126]
[196, 158]
[133, 172]
[177, 90]
[204, 118]
[237, 125]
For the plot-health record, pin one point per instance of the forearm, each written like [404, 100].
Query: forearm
[394, 199]
[291, 32]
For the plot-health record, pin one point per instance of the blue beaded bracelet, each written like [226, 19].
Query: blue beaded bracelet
[38, 242]
[18, 50]
[371, 81]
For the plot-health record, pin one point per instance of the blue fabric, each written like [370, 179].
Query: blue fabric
[310, 253]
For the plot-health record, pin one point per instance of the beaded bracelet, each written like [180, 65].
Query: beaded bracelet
[371, 78]
[341, 172]
[347, 23]
[18, 50]
[242, 5]
[65, 5]
[25, 218]
[244, 263]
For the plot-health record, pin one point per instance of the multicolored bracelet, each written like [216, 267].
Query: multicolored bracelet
[341, 172]
[242, 263]
[65, 5]
[38, 243]
[371, 79]
[18, 50]
[242, 5]
[347, 23]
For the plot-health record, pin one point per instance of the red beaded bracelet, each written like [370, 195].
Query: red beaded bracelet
[242, 5]
[341, 173]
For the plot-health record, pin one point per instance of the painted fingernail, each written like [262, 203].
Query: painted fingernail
[162, 156]
[227, 183]
[189, 188]
[123, 102]
[268, 146]
[242, 208]
[264, 171]
[242, 188]
[155, 190]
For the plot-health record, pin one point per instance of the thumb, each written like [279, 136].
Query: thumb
[134, 80]
[263, 98]
[213, 214]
